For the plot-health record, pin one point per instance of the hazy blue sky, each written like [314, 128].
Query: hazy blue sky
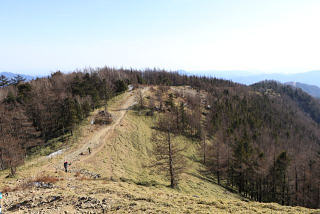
[252, 35]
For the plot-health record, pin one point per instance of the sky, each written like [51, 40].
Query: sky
[253, 36]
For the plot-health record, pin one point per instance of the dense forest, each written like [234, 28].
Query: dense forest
[261, 140]
[267, 143]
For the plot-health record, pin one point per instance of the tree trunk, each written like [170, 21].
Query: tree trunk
[204, 150]
[172, 180]
[218, 167]
[303, 187]
[318, 196]
[283, 189]
[296, 176]
[1, 160]
[13, 170]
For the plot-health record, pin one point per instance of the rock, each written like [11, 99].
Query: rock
[42, 185]
[245, 200]
[97, 176]
[55, 153]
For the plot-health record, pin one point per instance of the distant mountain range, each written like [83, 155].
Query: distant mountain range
[311, 78]
[10, 75]
[310, 89]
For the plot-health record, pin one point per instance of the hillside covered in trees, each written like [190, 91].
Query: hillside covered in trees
[262, 141]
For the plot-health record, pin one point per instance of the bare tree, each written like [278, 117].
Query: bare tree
[217, 155]
[204, 147]
[140, 99]
[17, 135]
[168, 152]
[159, 98]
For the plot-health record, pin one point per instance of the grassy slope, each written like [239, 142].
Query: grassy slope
[130, 186]
[194, 191]
[125, 159]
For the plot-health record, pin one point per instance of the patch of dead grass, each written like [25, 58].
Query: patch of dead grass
[46, 179]
[30, 183]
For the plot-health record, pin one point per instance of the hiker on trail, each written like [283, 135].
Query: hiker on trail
[89, 150]
[65, 164]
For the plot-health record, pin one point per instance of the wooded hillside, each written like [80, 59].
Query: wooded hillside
[262, 141]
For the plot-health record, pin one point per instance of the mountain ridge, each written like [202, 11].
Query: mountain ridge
[244, 77]
[313, 90]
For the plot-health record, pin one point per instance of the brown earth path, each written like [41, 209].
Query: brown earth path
[97, 138]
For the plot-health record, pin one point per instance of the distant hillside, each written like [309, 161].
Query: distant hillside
[311, 78]
[10, 75]
[304, 101]
[310, 89]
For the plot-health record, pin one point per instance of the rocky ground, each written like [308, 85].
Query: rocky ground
[102, 196]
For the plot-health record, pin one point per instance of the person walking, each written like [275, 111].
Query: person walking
[89, 150]
[65, 164]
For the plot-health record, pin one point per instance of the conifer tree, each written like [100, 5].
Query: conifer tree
[169, 158]
[4, 81]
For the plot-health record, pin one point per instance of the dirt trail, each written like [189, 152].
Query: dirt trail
[97, 138]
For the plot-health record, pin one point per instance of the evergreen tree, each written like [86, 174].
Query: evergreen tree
[17, 79]
[4, 81]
